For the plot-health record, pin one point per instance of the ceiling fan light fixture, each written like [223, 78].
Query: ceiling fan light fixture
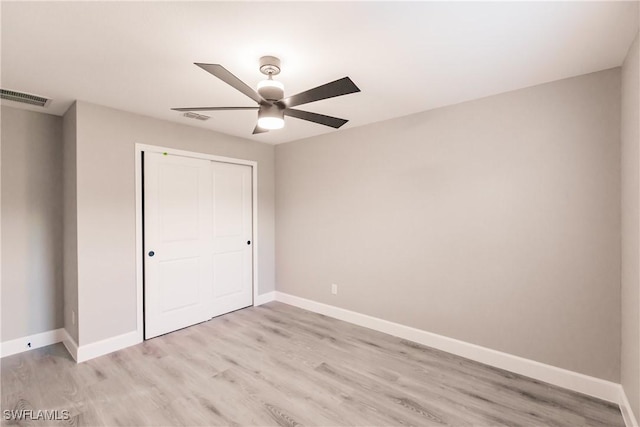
[270, 123]
[270, 118]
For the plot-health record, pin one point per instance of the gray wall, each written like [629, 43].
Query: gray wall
[106, 208]
[31, 223]
[495, 221]
[70, 221]
[630, 137]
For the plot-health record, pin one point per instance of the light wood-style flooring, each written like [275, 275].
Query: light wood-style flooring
[279, 365]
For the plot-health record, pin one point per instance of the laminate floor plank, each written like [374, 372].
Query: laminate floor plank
[277, 365]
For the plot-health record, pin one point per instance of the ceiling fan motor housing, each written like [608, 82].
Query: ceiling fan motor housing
[271, 90]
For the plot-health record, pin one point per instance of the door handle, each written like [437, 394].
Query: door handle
[248, 242]
[151, 253]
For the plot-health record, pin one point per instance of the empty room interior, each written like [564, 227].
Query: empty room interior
[262, 213]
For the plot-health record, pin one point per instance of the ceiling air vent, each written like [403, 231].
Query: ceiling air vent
[25, 98]
[196, 116]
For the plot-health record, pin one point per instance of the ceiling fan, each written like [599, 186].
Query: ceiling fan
[272, 105]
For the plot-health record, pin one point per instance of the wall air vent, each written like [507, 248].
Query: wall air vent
[196, 116]
[24, 98]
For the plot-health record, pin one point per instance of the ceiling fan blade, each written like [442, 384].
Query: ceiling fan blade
[333, 122]
[343, 86]
[223, 74]
[259, 130]
[214, 108]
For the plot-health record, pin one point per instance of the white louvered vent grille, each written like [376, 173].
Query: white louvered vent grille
[196, 116]
[25, 98]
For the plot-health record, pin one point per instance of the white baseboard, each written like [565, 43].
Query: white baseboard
[106, 346]
[18, 345]
[70, 344]
[596, 387]
[264, 298]
[79, 353]
[627, 413]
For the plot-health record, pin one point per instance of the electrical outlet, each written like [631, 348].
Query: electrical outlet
[73, 317]
[334, 289]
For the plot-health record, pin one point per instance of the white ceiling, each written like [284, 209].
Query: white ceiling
[405, 57]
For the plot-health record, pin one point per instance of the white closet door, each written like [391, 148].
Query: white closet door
[178, 273]
[232, 237]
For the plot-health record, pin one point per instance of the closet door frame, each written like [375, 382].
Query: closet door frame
[139, 193]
